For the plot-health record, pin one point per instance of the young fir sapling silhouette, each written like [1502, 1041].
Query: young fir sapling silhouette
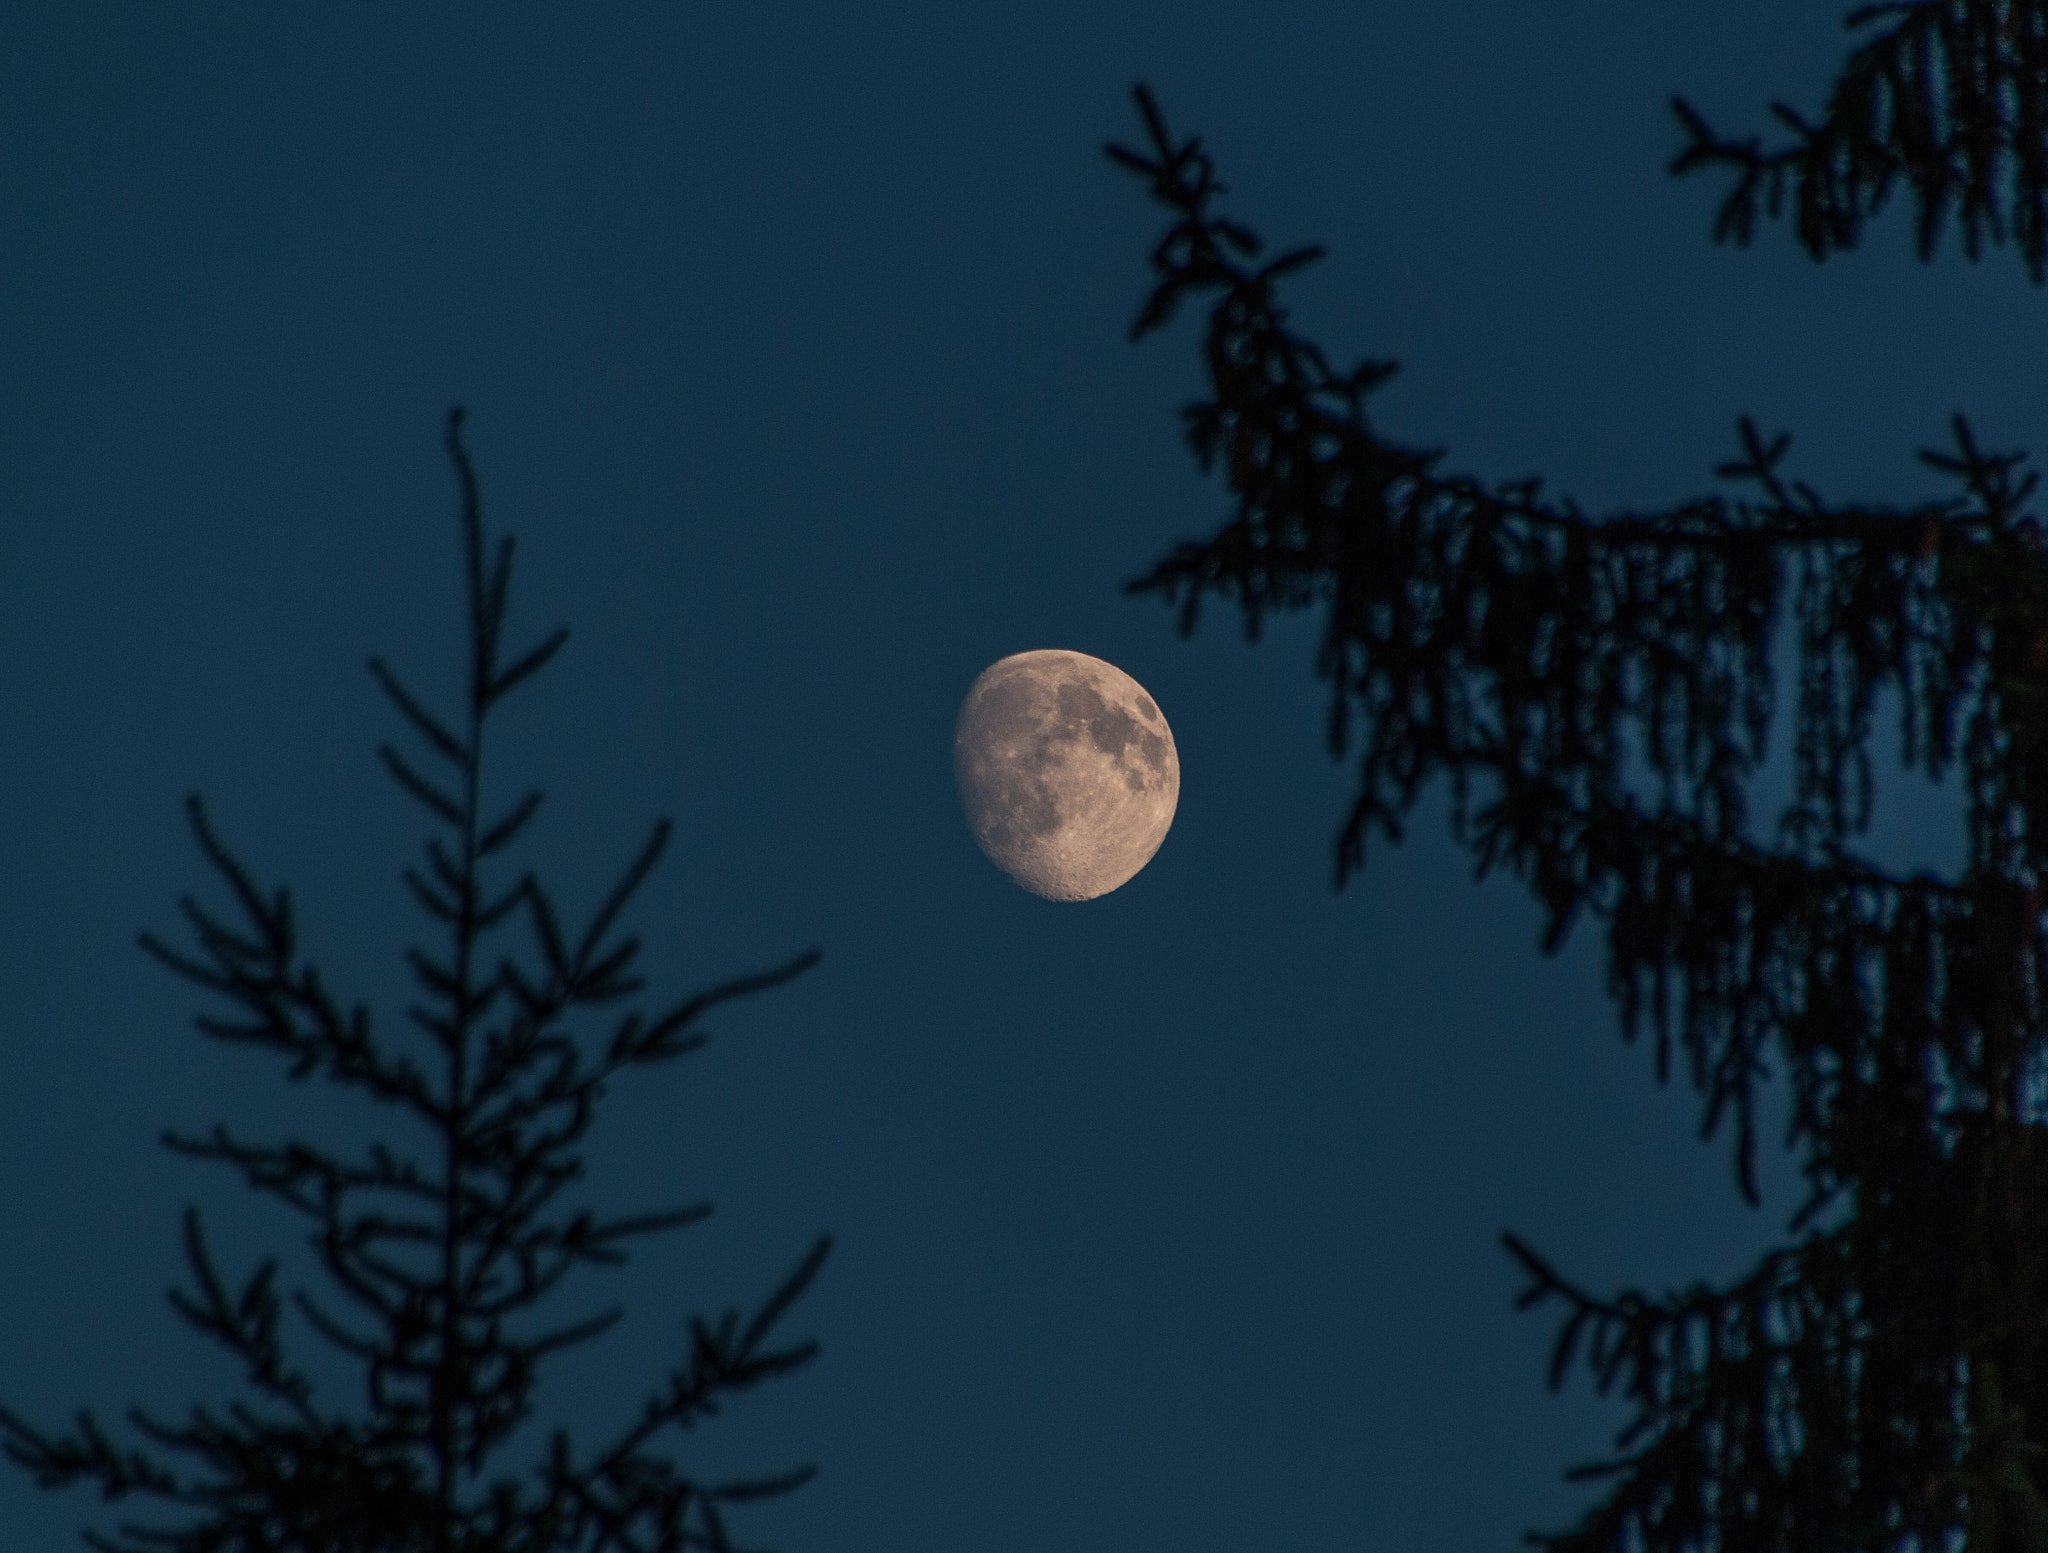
[1598, 694]
[437, 1258]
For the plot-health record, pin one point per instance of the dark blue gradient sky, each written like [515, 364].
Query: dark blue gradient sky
[793, 337]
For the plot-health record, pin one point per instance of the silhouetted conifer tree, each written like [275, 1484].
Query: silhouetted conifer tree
[1598, 693]
[435, 1261]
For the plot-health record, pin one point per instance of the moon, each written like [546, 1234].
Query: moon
[1067, 772]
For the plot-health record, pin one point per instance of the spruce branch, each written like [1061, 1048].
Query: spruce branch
[1948, 98]
[1598, 693]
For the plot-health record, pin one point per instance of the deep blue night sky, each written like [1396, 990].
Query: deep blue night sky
[794, 342]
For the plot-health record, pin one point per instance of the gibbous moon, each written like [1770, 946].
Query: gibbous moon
[1067, 772]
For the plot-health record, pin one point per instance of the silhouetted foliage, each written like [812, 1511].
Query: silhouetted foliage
[1949, 97]
[436, 1258]
[1598, 693]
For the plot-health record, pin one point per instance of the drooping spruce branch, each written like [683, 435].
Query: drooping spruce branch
[436, 1265]
[1947, 97]
[1598, 694]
